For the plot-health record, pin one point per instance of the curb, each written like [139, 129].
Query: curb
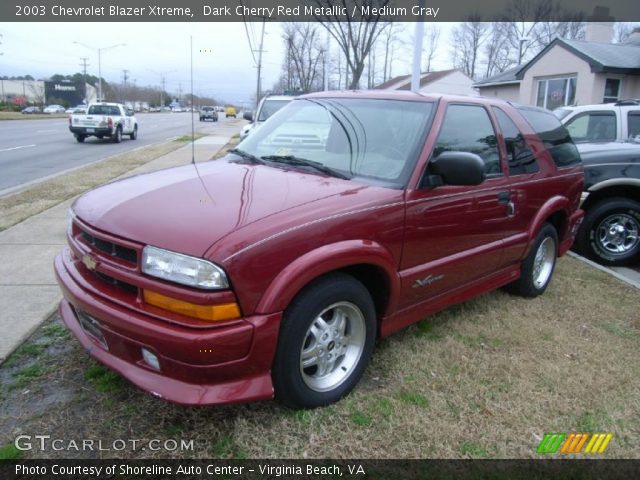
[604, 269]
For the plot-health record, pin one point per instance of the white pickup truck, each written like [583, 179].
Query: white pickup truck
[110, 120]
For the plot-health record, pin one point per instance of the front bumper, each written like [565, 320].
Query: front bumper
[198, 366]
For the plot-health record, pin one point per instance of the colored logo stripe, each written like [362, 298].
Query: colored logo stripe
[574, 442]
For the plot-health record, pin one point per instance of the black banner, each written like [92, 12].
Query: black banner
[316, 469]
[312, 10]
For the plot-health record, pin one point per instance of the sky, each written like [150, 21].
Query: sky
[223, 66]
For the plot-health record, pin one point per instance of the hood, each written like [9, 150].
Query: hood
[188, 209]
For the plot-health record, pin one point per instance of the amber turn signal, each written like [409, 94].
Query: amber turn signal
[210, 313]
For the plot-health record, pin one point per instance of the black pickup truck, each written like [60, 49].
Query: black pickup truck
[610, 233]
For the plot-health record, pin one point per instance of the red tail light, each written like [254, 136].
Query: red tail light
[110, 122]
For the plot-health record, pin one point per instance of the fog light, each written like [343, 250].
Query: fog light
[151, 359]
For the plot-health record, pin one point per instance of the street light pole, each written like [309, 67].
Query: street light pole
[100, 62]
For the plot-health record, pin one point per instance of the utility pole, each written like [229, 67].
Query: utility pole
[100, 50]
[84, 77]
[125, 77]
[162, 81]
[259, 87]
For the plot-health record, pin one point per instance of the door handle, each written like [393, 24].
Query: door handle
[504, 198]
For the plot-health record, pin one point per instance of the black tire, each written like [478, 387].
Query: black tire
[117, 135]
[601, 218]
[533, 281]
[100, 136]
[333, 294]
[200, 118]
[80, 138]
[133, 135]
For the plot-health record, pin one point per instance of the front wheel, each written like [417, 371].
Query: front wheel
[537, 268]
[133, 135]
[610, 233]
[80, 138]
[325, 343]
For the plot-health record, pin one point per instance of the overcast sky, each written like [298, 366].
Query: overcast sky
[223, 66]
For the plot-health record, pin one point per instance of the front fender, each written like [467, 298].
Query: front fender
[326, 259]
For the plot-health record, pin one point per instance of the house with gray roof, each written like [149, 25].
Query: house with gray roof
[444, 81]
[573, 72]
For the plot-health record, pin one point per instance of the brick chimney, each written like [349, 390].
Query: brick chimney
[599, 26]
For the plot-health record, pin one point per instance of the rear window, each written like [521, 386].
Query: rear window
[103, 110]
[555, 137]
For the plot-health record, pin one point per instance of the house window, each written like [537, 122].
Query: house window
[556, 92]
[611, 90]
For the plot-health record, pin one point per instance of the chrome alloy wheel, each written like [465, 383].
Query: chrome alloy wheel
[543, 262]
[332, 346]
[618, 234]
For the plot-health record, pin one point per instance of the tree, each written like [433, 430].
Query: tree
[622, 30]
[432, 38]
[355, 39]
[468, 37]
[304, 56]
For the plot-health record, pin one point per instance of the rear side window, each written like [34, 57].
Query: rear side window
[467, 128]
[633, 120]
[520, 157]
[593, 127]
[555, 137]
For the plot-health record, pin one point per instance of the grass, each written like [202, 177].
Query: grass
[33, 116]
[26, 375]
[187, 138]
[483, 379]
[10, 452]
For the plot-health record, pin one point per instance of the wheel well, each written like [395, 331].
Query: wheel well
[609, 192]
[559, 221]
[375, 280]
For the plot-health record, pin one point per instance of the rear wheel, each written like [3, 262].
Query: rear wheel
[537, 269]
[117, 135]
[80, 138]
[326, 340]
[610, 233]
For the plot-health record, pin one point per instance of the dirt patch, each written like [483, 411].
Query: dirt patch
[483, 379]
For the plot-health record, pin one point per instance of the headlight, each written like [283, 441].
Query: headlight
[182, 269]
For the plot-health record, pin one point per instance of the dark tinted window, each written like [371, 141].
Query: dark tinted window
[519, 156]
[467, 128]
[633, 119]
[555, 137]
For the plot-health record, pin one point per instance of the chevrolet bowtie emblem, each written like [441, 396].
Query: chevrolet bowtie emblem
[89, 262]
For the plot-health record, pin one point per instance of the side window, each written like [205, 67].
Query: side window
[521, 159]
[467, 128]
[554, 136]
[633, 122]
[593, 127]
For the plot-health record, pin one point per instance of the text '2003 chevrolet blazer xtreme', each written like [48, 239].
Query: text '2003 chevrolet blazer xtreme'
[346, 217]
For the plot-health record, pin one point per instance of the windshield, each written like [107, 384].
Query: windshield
[269, 107]
[369, 140]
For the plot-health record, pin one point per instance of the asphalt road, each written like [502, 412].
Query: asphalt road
[37, 149]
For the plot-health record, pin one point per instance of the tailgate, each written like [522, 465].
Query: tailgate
[91, 121]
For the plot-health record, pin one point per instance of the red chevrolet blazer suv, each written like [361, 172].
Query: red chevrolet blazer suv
[346, 217]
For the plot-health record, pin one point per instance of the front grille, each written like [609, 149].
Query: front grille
[127, 287]
[117, 251]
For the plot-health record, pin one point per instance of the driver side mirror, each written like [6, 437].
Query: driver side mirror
[456, 168]
[248, 116]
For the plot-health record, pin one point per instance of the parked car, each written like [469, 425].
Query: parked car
[54, 109]
[30, 110]
[272, 271]
[208, 113]
[267, 107]
[111, 120]
[230, 112]
[82, 108]
[610, 233]
[608, 122]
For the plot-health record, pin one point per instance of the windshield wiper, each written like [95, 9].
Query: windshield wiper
[247, 156]
[303, 162]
